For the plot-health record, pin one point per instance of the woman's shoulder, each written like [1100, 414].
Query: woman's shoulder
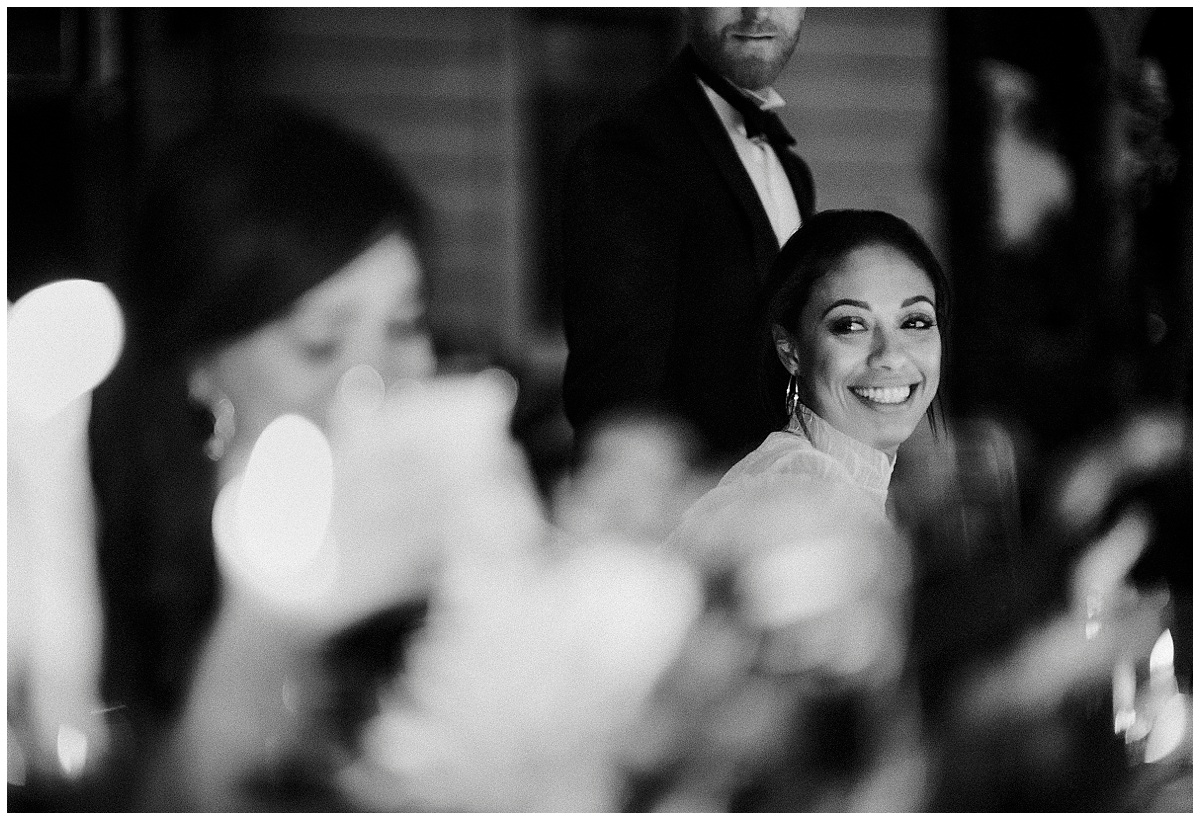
[782, 454]
[784, 478]
[778, 513]
[785, 466]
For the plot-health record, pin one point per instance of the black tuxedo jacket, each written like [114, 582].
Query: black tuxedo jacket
[665, 242]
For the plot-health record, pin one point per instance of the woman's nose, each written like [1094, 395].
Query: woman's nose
[887, 349]
[412, 359]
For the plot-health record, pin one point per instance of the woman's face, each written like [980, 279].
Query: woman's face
[867, 354]
[369, 312]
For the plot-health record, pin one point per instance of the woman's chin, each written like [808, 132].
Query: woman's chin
[888, 436]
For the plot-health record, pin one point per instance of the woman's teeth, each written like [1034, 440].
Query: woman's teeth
[883, 395]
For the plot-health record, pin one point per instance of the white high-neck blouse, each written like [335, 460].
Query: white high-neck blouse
[807, 479]
[811, 446]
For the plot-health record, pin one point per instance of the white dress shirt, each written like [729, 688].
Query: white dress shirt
[761, 162]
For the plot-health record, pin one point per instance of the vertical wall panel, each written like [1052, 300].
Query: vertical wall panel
[436, 88]
[864, 102]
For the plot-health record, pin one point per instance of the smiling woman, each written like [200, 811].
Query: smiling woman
[854, 326]
[866, 353]
[852, 323]
[855, 308]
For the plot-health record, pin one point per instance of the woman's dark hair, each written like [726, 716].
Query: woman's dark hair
[815, 250]
[240, 218]
[247, 213]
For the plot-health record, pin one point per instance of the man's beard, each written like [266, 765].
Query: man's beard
[748, 72]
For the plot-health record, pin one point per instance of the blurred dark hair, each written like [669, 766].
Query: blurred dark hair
[821, 245]
[240, 218]
[248, 212]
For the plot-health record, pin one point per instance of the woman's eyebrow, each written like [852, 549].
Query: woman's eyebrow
[864, 306]
[850, 302]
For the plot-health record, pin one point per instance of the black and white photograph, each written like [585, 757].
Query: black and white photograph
[599, 409]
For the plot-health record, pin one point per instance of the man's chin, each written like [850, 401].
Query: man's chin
[752, 71]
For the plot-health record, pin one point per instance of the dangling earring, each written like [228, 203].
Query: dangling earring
[202, 391]
[224, 426]
[793, 396]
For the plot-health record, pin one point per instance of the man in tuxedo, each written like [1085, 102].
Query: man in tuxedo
[674, 208]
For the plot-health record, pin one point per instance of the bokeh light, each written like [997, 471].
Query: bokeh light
[63, 339]
[270, 525]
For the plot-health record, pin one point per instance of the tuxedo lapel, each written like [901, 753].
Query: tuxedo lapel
[717, 143]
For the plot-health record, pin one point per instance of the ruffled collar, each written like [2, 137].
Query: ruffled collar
[867, 467]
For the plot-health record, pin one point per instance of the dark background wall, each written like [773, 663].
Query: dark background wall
[479, 105]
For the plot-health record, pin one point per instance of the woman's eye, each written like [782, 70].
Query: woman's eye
[402, 329]
[847, 324]
[320, 351]
[919, 322]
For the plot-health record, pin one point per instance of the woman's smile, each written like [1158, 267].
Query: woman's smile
[884, 396]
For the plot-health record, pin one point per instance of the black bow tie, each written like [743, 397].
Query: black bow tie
[759, 123]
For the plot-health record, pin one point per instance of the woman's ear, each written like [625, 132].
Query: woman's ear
[201, 387]
[785, 348]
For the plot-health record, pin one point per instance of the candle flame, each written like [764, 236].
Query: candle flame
[72, 750]
[63, 339]
[1162, 656]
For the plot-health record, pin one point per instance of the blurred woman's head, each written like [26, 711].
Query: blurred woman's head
[856, 312]
[273, 252]
[276, 252]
